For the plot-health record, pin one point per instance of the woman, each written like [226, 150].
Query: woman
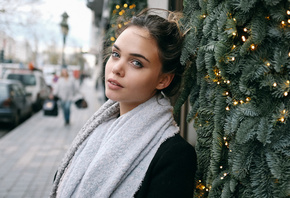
[131, 146]
[65, 90]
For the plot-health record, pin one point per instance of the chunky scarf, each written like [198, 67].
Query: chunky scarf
[122, 155]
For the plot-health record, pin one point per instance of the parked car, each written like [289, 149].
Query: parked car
[15, 102]
[33, 82]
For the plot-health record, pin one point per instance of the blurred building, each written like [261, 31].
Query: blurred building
[12, 50]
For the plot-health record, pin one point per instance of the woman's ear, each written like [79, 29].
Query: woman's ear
[164, 81]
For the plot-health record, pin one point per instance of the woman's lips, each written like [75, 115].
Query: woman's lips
[114, 84]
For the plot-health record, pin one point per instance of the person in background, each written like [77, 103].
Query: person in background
[131, 147]
[65, 89]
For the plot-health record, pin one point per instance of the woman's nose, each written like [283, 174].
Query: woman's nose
[118, 68]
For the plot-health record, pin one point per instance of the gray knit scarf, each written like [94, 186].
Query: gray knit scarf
[121, 157]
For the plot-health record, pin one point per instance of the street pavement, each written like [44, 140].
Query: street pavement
[31, 153]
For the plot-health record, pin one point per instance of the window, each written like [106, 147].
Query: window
[26, 80]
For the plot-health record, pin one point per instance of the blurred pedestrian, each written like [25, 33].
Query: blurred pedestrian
[131, 146]
[65, 90]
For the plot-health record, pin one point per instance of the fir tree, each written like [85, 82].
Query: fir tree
[238, 84]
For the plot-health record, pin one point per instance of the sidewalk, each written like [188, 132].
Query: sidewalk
[31, 153]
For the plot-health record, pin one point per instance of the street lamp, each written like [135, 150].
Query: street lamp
[64, 31]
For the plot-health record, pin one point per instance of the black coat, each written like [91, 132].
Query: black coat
[171, 171]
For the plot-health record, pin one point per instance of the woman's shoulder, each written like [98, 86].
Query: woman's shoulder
[176, 147]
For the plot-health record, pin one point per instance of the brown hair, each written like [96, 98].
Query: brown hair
[169, 38]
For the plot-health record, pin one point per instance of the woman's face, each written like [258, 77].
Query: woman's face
[133, 71]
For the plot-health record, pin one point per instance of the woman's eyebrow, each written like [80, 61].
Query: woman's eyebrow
[133, 54]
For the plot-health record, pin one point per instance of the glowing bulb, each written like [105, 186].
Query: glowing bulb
[235, 102]
[112, 38]
[218, 83]
[199, 181]
[227, 108]
[289, 54]
[221, 167]
[288, 12]
[206, 189]
[284, 111]
[282, 119]
[226, 143]
[283, 23]
[245, 29]
[225, 174]
[125, 5]
[248, 99]
[233, 58]
[253, 47]
[227, 93]
[234, 19]
[274, 84]
[203, 187]
[268, 64]
[287, 81]
[228, 81]
[225, 138]
[222, 177]
[231, 151]
[241, 101]
[244, 38]
[234, 46]
[285, 93]
[204, 16]
[288, 21]
[117, 7]
[234, 33]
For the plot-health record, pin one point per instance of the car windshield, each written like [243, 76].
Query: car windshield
[26, 80]
[3, 91]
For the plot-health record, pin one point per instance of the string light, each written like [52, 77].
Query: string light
[253, 47]
[204, 16]
[119, 25]
[284, 111]
[267, 17]
[234, 46]
[227, 108]
[285, 93]
[234, 19]
[244, 38]
[233, 58]
[222, 177]
[248, 99]
[226, 143]
[221, 167]
[227, 93]
[236, 102]
[225, 174]
[274, 84]
[245, 29]
[234, 33]
[289, 54]
[125, 5]
[282, 119]
[228, 81]
[112, 38]
[117, 7]
[268, 64]
[287, 81]
[288, 21]
[288, 12]
[241, 101]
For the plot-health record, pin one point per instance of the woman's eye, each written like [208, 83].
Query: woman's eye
[137, 63]
[115, 54]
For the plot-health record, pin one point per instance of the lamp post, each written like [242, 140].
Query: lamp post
[64, 31]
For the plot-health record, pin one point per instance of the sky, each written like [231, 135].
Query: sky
[79, 21]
